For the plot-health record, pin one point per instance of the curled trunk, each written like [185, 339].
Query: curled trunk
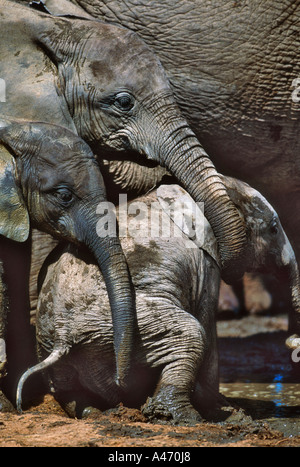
[185, 158]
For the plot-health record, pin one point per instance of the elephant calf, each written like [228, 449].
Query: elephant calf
[50, 180]
[175, 362]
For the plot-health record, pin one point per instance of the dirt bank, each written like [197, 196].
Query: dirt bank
[251, 352]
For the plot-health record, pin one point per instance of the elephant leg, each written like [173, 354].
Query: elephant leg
[181, 353]
[171, 403]
[17, 349]
[3, 322]
[73, 398]
[42, 245]
[207, 398]
[5, 404]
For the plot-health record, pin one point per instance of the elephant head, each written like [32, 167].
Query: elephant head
[50, 180]
[268, 247]
[119, 99]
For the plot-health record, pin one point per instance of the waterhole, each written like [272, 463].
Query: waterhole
[257, 372]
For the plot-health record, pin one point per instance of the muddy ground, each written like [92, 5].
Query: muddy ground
[256, 373]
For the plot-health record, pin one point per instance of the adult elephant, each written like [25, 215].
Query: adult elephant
[233, 66]
[104, 83]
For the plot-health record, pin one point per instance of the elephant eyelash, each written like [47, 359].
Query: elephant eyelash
[122, 101]
[63, 195]
[274, 227]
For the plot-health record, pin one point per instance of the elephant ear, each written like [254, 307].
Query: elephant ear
[60, 8]
[239, 192]
[250, 202]
[191, 221]
[14, 218]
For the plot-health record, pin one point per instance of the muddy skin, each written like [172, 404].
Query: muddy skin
[176, 324]
[5, 404]
[259, 340]
[50, 180]
[168, 405]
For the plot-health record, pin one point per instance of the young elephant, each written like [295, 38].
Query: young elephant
[50, 180]
[176, 281]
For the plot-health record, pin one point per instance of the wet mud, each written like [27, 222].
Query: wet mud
[256, 373]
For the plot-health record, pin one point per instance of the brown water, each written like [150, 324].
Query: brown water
[257, 372]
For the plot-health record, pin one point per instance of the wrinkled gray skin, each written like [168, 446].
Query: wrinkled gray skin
[104, 83]
[175, 368]
[232, 66]
[50, 180]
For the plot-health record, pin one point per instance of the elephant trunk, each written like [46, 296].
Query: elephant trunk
[109, 255]
[183, 155]
[111, 260]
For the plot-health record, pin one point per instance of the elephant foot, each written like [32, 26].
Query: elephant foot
[237, 416]
[91, 413]
[229, 415]
[216, 408]
[78, 404]
[169, 405]
[5, 404]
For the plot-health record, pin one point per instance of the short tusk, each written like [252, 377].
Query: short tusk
[50, 360]
[293, 342]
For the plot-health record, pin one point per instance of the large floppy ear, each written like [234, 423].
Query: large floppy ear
[14, 218]
[56, 34]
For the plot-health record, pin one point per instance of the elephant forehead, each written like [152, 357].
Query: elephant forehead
[255, 202]
[79, 174]
[59, 144]
[258, 209]
[124, 61]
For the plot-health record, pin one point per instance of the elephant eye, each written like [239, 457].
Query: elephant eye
[64, 195]
[124, 101]
[274, 229]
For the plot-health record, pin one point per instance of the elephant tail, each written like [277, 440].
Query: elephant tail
[54, 357]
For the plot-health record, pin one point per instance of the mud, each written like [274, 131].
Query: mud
[256, 372]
